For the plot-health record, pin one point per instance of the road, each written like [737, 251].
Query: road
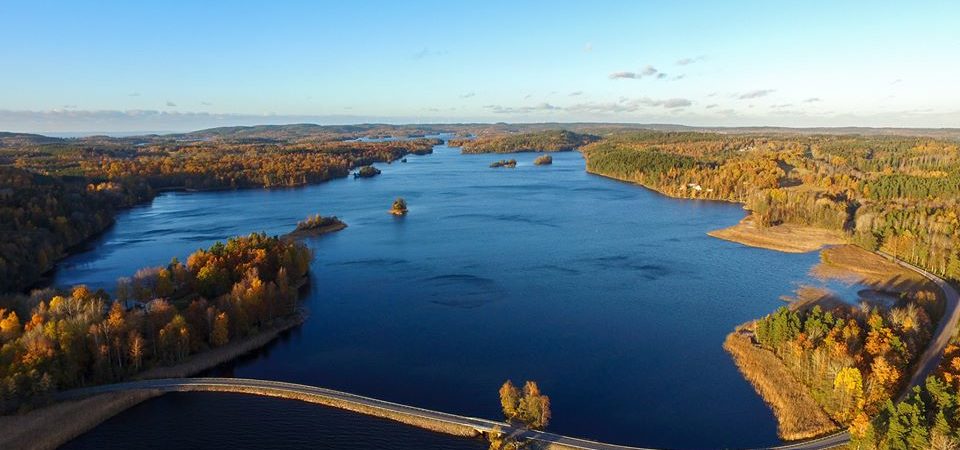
[927, 363]
[924, 366]
[321, 395]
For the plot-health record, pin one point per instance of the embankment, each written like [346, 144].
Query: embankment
[54, 425]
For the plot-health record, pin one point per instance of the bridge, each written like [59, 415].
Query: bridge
[472, 426]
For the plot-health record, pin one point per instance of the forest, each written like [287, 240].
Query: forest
[54, 195]
[898, 194]
[58, 339]
[542, 141]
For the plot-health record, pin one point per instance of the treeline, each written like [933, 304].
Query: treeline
[41, 217]
[897, 194]
[55, 196]
[542, 141]
[63, 339]
[853, 360]
[928, 418]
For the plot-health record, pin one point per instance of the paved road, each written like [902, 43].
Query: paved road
[926, 365]
[244, 385]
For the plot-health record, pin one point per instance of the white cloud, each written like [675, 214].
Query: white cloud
[755, 94]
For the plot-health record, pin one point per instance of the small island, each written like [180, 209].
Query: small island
[367, 172]
[543, 160]
[399, 207]
[510, 163]
[316, 225]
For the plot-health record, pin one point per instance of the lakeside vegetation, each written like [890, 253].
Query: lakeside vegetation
[527, 408]
[543, 160]
[889, 193]
[399, 207]
[367, 172]
[55, 194]
[58, 339]
[508, 163]
[316, 225]
[542, 141]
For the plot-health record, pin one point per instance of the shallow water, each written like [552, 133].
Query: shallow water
[611, 296]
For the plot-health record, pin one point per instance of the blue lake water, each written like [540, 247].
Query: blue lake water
[610, 296]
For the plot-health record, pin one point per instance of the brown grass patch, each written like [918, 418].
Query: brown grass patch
[52, 426]
[785, 238]
[798, 415]
[887, 278]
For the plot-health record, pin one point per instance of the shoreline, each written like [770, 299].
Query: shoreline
[32, 430]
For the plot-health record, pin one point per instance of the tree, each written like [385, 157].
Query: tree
[510, 400]
[534, 407]
[220, 335]
[135, 349]
[848, 390]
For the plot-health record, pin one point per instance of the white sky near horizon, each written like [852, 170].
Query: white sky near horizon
[125, 67]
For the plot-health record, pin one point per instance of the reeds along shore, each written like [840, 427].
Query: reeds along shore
[798, 415]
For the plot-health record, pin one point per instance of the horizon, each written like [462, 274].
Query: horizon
[183, 67]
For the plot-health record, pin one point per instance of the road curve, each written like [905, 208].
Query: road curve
[323, 395]
[924, 366]
[927, 363]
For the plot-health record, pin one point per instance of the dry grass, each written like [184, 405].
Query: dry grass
[798, 415]
[785, 238]
[52, 426]
[885, 277]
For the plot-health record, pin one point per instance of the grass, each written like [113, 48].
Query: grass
[785, 238]
[798, 415]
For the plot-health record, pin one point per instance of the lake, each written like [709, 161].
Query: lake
[610, 296]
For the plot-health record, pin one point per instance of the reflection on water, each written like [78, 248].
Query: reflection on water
[610, 296]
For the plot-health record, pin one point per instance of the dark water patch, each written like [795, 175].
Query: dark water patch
[554, 267]
[374, 262]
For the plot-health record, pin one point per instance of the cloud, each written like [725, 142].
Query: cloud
[527, 97]
[499, 109]
[678, 77]
[171, 104]
[897, 81]
[134, 94]
[625, 105]
[812, 100]
[588, 47]
[782, 105]
[426, 53]
[625, 75]
[206, 103]
[69, 106]
[576, 93]
[688, 61]
[755, 94]
[468, 94]
[674, 103]
[648, 71]
[711, 106]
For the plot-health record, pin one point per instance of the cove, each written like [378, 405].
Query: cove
[610, 296]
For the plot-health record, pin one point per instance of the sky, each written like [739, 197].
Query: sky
[122, 66]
